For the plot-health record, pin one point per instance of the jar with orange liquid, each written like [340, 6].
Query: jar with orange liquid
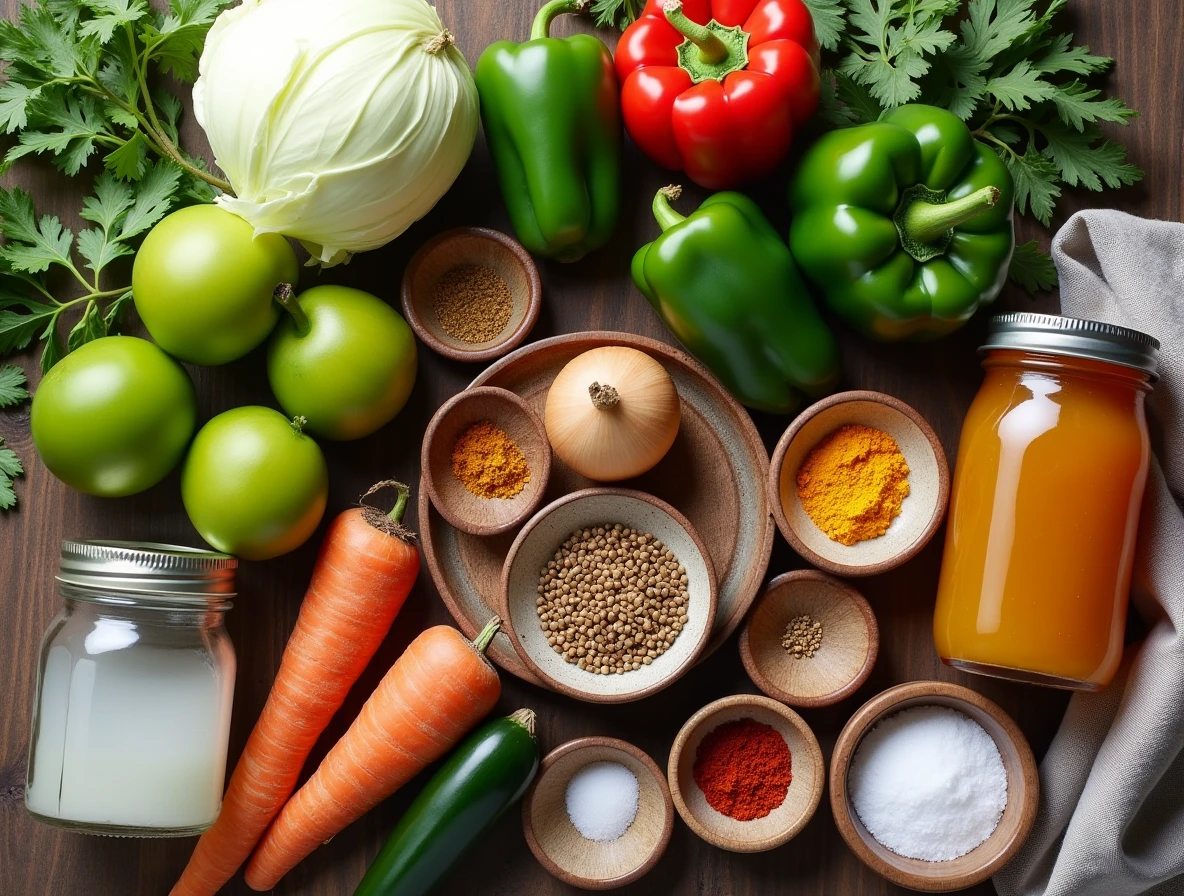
[1036, 574]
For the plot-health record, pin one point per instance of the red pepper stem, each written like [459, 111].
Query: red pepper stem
[711, 49]
[542, 21]
[926, 222]
[666, 216]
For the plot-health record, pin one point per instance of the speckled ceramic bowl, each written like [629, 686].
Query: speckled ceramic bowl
[546, 532]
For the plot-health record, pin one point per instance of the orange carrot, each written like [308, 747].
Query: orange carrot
[435, 692]
[367, 565]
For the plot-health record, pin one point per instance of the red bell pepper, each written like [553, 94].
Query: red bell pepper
[716, 88]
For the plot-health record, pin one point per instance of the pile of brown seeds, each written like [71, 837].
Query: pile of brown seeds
[472, 303]
[612, 599]
[803, 636]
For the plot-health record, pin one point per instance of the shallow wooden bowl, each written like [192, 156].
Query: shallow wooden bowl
[563, 850]
[464, 510]
[471, 246]
[784, 822]
[850, 640]
[546, 532]
[1023, 789]
[920, 514]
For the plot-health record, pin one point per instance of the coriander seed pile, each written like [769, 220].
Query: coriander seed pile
[473, 303]
[612, 599]
[803, 636]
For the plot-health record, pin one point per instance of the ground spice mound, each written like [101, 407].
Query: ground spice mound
[472, 303]
[803, 636]
[744, 769]
[488, 462]
[853, 483]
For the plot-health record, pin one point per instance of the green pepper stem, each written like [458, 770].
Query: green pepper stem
[486, 636]
[712, 50]
[286, 299]
[925, 222]
[542, 21]
[666, 216]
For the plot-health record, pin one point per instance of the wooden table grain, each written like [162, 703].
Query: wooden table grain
[939, 380]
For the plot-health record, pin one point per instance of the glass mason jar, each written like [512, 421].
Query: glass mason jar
[134, 691]
[1036, 574]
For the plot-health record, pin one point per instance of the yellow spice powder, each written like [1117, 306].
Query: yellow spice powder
[488, 462]
[853, 483]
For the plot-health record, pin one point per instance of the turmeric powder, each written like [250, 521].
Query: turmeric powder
[488, 462]
[853, 482]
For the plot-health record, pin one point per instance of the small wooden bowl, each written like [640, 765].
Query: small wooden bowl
[784, 822]
[471, 246]
[563, 850]
[463, 509]
[538, 541]
[850, 640]
[1023, 790]
[921, 513]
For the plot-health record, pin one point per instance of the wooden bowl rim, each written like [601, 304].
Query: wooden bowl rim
[814, 751]
[429, 439]
[512, 339]
[528, 660]
[593, 883]
[773, 485]
[766, 685]
[884, 704]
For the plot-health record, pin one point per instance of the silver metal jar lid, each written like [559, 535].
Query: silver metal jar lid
[142, 567]
[1074, 337]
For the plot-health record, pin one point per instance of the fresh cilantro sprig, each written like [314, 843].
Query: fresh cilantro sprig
[120, 212]
[79, 80]
[1021, 87]
[12, 392]
[618, 14]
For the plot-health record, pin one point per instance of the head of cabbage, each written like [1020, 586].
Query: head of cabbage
[337, 123]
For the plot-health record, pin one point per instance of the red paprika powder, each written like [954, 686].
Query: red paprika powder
[744, 769]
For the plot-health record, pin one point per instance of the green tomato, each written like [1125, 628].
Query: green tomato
[253, 484]
[203, 284]
[354, 368]
[113, 417]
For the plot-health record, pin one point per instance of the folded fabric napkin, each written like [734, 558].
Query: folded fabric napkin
[1111, 817]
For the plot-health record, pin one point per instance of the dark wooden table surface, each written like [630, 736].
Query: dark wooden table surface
[939, 380]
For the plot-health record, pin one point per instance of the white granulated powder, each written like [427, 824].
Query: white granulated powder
[602, 800]
[928, 783]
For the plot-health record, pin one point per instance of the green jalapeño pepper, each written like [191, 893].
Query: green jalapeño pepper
[726, 286]
[903, 224]
[553, 125]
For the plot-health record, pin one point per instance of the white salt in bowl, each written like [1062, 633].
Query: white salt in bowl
[1023, 788]
[537, 543]
[920, 514]
[563, 850]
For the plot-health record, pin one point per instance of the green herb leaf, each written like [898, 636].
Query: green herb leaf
[12, 386]
[1019, 88]
[1036, 183]
[619, 14]
[10, 468]
[829, 18]
[1061, 56]
[1077, 105]
[1031, 269]
[110, 15]
[92, 326]
[1082, 163]
[114, 312]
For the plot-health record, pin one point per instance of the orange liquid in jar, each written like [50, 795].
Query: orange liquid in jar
[1040, 543]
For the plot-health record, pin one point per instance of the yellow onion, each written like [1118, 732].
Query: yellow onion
[612, 413]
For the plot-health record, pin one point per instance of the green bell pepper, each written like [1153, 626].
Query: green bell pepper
[903, 224]
[725, 284]
[553, 125]
[474, 787]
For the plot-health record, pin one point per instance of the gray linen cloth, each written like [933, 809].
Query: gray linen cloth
[1111, 817]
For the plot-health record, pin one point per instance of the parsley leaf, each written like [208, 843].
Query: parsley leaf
[120, 213]
[12, 392]
[1031, 269]
[998, 65]
[12, 386]
[619, 14]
